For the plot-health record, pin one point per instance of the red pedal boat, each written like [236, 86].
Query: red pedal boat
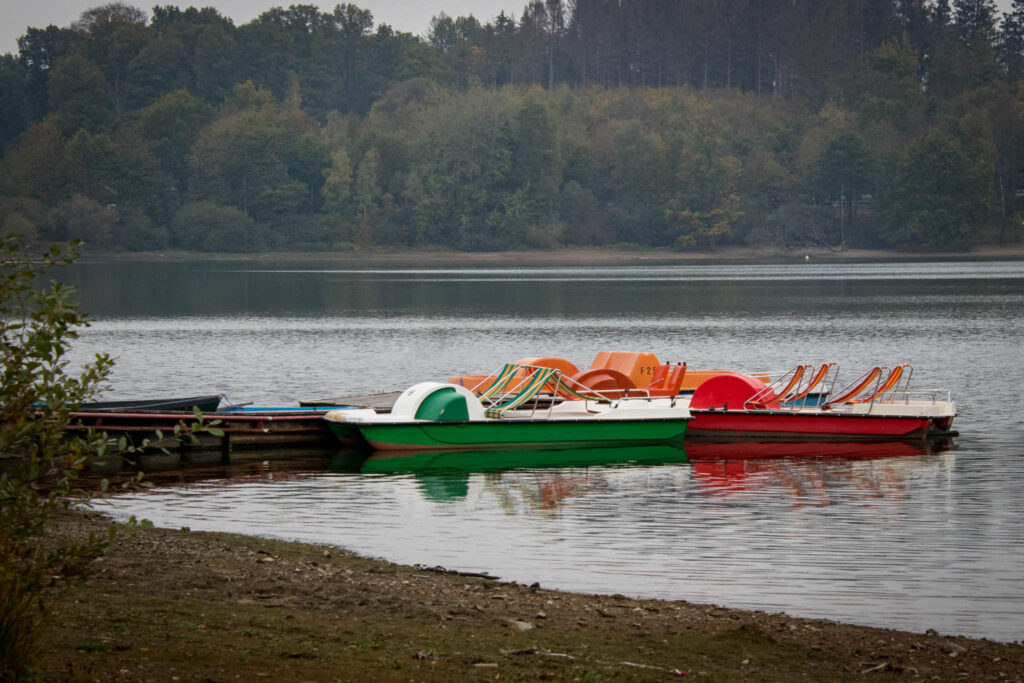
[877, 406]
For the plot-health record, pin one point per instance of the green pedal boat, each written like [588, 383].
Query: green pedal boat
[525, 406]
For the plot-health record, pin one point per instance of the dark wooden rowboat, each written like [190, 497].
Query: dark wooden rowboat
[207, 404]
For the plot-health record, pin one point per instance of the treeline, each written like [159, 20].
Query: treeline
[873, 123]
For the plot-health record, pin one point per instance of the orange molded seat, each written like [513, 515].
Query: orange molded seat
[565, 367]
[888, 385]
[848, 394]
[610, 383]
[667, 380]
[796, 375]
[818, 378]
[638, 366]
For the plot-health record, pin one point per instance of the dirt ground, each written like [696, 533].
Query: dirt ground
[175, 605]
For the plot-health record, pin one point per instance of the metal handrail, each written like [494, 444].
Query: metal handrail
[891, 382]
[929, 395]
[819, 378]
[794, 385]
[558, 378]
[858, 387]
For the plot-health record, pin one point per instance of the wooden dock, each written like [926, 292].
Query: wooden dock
[250, 430]
[381, 402]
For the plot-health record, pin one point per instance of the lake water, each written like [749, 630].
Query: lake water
[889, 536]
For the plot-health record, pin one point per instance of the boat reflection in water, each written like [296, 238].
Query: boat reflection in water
[721, 466]
[506, 459]
[445, 475]
[740, 467]
[718, 468]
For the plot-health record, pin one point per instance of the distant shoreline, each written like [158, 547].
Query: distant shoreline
[567, 257]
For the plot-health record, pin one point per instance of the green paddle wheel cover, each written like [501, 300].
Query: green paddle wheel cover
[444, 405]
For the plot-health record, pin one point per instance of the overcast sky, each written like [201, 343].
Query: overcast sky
[402, 15]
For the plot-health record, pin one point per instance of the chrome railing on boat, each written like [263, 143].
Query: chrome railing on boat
[520, 391]
[932, 396]
[796, 388]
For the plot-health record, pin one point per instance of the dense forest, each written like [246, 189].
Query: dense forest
[688, 124]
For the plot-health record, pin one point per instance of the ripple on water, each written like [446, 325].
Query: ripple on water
[901, 542]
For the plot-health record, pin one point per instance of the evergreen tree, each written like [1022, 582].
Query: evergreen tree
[975, 20]
[941, 197]
[1011, 41]
[16, 103]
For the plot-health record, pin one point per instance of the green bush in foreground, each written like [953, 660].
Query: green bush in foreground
[39, 461]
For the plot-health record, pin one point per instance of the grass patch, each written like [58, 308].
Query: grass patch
[93, 645]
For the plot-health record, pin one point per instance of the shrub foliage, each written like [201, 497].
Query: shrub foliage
[39, 460]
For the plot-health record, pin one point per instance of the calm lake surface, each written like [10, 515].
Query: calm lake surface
[893, 536]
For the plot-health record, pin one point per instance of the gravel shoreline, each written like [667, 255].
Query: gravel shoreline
[164, 604]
